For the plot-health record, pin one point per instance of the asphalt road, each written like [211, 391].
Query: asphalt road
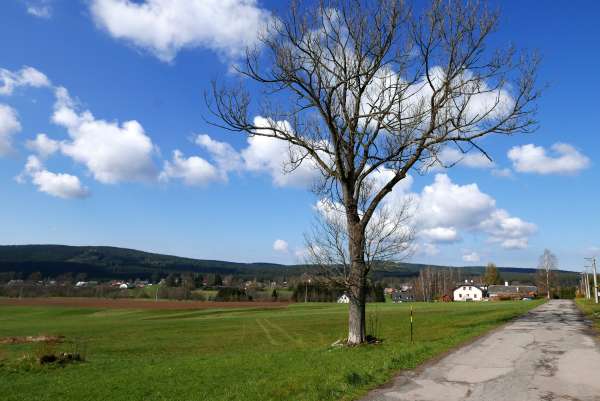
[548, 354]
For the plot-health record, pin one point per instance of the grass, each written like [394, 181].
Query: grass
[591, 309]
[230, 354]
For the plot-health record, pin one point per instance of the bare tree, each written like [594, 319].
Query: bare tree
[547, 265]
[368, 91]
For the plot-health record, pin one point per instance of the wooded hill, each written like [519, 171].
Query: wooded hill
[103, 263]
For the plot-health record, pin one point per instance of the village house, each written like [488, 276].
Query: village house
[507, 292]
[344, 299]
[469, 292]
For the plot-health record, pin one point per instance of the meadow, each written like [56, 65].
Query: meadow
[229, 354]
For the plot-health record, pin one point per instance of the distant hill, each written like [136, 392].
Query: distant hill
[104, 262]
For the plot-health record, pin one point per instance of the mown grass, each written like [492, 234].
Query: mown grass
[230, 354]
[591, 309]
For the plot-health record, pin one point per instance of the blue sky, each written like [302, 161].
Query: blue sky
[200, 207]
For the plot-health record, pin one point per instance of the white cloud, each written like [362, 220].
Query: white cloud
[39, 8]
[440, 234]
[197, 171]
[164, 27]
[510, 232]
[42, 145]
[452, 156]
[445, 210]
[60, 185]
[112, 153]
[194, 171]
[9, 125]
[225, 156]
[280, 246]
[446, 204]
[27, 76]
[265, 154]
[471, 257]
[534, 159]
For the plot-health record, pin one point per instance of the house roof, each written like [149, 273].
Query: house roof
[511, 289]
[468, 285]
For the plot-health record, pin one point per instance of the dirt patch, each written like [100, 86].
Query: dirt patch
[135, 303]
[62, 359]
[32, 339]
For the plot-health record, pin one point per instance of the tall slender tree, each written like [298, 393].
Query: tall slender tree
[368, 91]
[491, 275]
[547, 265]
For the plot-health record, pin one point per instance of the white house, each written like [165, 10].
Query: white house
[343, 299]
[468, 292]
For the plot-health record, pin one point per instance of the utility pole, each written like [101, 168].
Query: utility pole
[593, 266]
[583, 290]
[595, 280]
[588, 295]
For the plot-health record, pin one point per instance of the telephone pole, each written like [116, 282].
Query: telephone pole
[588, 294]
[593, 266]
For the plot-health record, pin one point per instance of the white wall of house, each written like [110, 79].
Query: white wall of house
[468, 292]
[344, 299]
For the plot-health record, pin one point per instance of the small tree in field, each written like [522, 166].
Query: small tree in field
[546, 276]
[368, 91]
[491, 275]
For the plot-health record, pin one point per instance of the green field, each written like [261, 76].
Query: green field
[229, 354]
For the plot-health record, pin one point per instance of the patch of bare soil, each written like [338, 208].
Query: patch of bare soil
[135, 303]
[32, 339]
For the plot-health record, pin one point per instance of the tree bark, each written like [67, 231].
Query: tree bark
[357, 331]
[357, 280]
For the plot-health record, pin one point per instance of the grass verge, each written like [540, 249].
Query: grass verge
[591, 309]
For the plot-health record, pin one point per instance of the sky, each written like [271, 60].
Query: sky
[104, 141]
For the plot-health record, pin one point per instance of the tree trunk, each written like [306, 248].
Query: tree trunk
[357, 280]
[357, 331]
[548, 283]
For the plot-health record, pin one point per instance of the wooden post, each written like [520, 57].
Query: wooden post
[411, 324]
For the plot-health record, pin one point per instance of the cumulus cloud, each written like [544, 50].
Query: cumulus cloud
[280, 246]
[60, 185]
[197, 171]
[194, 170]
[440, 234]
[471, 257]
[27, 76]
[446, 204]
[510, 232]
[564, 159]
[164, 27]
[112, 152]
[224, 155]
[272, 156]
[9, 125]
[42, 145]
[445, 209]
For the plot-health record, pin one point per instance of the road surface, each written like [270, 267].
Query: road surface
[548, 354]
